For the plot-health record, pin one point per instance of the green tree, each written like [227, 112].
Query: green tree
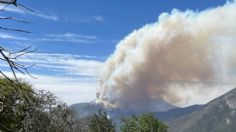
[100, 123]
[51, 115]
[40, 112]
[12, 104]
[143, 123]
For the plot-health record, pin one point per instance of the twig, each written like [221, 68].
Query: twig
[14, 19]
[13, 2]
[16, 30]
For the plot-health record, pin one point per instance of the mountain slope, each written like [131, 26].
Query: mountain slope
[86, 109]
[175, 113]
[218, 115]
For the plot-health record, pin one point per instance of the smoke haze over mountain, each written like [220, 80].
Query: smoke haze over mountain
[179, 59]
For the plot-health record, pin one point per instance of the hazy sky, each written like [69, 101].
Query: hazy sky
[73, 38]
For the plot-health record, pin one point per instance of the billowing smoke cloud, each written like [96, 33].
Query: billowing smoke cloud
[185, 57]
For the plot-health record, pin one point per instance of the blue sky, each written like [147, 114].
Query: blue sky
[74, 38]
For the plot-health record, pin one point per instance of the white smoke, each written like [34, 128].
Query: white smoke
[184, 58]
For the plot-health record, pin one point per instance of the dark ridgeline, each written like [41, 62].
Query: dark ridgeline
[218, 115]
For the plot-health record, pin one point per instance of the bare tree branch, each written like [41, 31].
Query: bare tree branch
[16, 4]
[11, 60]
[11, 57]
[16, 30]
[26, 8]
[14, 19]
[12, 2]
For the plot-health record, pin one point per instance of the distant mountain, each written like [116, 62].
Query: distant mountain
[218, 115]
[158, 106]
[175, 113]
[84, 110]
[87, 109]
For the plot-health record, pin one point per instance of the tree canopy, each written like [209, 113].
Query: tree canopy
[43, 112]
[100, 123]
[143, 123]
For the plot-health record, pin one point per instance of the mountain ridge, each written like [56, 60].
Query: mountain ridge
[216, 116]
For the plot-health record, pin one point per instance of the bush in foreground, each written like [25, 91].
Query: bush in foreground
[143, 123]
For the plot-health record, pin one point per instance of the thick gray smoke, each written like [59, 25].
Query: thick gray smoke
[184, 58]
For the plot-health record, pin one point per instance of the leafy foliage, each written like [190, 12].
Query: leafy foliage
[12, 104]
[41, 112]
[143, 123]
[100, 123]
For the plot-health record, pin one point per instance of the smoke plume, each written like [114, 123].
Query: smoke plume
[183, 58]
